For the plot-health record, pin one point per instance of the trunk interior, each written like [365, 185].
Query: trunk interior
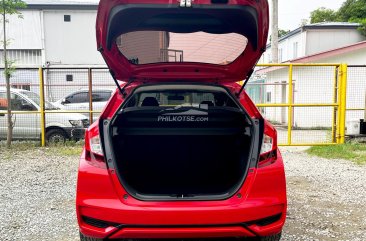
[181, 159]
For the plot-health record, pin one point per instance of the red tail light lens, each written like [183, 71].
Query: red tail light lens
[93, 148]
[95, 145]
[268, 154]
[267, 144]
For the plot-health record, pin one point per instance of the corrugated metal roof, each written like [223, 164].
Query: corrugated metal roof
[333, 24]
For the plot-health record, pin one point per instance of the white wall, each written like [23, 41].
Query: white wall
[314, 41]
[356, 83]
[287, 47]
[311, 85]
[327, 39]
[24, 33]
[63, 43]
[71, 43]
[24, 39]
[315, 85]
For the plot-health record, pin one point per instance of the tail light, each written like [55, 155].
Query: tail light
[268, 154]
[93, 148]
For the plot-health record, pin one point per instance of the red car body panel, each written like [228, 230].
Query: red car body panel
[233, 72]
[101, 196]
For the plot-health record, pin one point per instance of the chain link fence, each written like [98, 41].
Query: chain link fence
[26, 114]
[71, 98]
[308, 110]
[356, 93]
[302, 100]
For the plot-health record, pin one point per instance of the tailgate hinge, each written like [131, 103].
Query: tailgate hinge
[185, 3]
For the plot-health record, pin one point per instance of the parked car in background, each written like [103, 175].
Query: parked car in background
[181, 151]
[79, 100]
[59, 126]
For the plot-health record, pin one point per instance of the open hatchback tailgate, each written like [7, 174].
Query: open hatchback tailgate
[211, 41]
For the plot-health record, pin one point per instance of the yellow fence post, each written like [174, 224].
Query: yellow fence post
[41, 93]
[343, 104]
[335, 108]
[290, 107]
[90, 82]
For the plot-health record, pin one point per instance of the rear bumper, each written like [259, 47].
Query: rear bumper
[121, 231]
[101, 197]
[198, 232]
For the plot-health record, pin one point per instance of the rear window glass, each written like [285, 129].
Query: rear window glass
[176, 98]
[146, 47]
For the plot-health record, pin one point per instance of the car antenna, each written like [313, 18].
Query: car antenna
[121, 89]
[245, 82]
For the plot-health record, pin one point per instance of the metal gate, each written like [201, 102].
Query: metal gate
[306, 102]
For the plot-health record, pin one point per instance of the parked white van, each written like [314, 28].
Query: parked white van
[59, 127]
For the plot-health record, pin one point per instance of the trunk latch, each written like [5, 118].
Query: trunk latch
[185, 3]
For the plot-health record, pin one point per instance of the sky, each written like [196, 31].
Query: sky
[291, 12]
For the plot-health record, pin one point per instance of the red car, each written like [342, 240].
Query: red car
[180, 151]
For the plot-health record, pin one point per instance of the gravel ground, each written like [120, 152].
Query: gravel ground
[327, 198]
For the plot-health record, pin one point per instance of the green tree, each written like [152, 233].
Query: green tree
[9, 7]
[354, 11]
[362, 28]
[323, 15]
[281, 33]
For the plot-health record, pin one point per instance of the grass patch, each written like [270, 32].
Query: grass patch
[69, 148]
[353, 151]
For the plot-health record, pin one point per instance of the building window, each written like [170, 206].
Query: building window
[269, 97]
[280, 57]
[295, 50]
[67, 18]
[22, 86]
[69, 77]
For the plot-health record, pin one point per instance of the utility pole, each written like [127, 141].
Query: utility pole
[7, 80]
[274, 36]
[364, 118]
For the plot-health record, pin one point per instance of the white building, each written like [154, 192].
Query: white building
[54, 34]
[316, 85]
[314, 38]
[314, 43]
